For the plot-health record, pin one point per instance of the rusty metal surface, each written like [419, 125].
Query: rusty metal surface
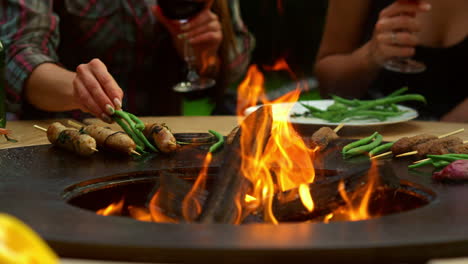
[33, 180]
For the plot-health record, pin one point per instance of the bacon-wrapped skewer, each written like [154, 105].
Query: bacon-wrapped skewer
[161, 137]
[107, 138]
[70, 139]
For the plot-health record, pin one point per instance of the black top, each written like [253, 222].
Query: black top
[444, 83]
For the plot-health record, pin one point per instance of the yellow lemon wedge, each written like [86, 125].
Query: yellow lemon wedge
[19, 244]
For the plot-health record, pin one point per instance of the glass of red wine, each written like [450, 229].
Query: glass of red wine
[182, 11]
[404, 65]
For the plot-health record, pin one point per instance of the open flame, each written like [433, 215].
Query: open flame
[286, 163]
[357, 203]
[278, 172]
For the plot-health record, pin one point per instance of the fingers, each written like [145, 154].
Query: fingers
[405, 7]
[96, 90]
[107, 82]
[204, 28]
[398, 23]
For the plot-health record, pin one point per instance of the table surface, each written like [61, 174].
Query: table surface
[27, 135]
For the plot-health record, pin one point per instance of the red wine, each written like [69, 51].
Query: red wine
[180, 9]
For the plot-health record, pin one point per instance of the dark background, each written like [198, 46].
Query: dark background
[293, 32]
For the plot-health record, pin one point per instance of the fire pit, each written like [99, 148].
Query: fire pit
[46, 187]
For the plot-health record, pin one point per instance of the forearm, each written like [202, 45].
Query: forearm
[50, 88]
[458, 113]
[347, 74]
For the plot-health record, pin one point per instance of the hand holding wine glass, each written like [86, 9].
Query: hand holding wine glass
[197, 33]
[395, 36]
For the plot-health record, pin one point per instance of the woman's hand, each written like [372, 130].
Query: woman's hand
[394, 32]
[203, 32]
[96, 91]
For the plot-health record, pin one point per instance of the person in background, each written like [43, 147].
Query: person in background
[82, 54]
[361, 35]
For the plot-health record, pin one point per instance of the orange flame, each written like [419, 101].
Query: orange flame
[281, 65]
[357, 205]
[191, 208]
[286, 163]
[112, 209]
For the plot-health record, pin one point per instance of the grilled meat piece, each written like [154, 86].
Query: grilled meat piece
[322, 137]
[407, 144]
[459, 149]
[437, 146]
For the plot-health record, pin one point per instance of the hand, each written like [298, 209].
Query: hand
[96, 91]
[394, 33]
[203, 32]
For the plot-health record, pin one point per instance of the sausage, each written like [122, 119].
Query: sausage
[161, 137]
[110, 139]
[71, 139]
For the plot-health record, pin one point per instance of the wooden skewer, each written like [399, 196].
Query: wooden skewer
[451, 133]
[340, 126]
[40, 128]
[419, 161]
[134, 152]
[74, 124]
[45, 130]
[382, 155]
[407, 154]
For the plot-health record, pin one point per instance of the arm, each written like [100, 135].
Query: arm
[458, 113]
[31, 31]
[347, 68]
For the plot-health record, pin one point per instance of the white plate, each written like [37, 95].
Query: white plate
[409, 114]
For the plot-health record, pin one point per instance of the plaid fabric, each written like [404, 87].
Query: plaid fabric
[124, 34]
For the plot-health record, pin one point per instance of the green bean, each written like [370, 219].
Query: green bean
[440, 164]
[344, 101]
[381, 149]
[219, 144]
[364, 148]
[125, 116]
[145, 140]
[128, 131]
[398, 92]
[138, 123]
[358, 143]
[312, 109]
[420, 164]
[392, 100]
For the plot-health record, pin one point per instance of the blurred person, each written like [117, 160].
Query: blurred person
[361, 35]
[65, 55]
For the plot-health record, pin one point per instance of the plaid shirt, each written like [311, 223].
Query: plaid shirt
[124, 34]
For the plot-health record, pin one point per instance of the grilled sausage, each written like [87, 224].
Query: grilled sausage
[71, 139]
[113, 140]
[322, 137]
[161, 137]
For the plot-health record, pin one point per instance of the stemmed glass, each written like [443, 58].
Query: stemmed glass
[404, 65]
[182, 11]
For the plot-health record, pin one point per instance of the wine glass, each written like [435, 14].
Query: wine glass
[183, 10]
[404, 64]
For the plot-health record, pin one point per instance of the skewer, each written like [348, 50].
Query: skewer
[419, 161]
[382, 155]
[76, 125]
[40, 128]
[451, 133]
[340, 126]
[45, 130]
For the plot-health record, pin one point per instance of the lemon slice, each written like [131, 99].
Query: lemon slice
[19, 244]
